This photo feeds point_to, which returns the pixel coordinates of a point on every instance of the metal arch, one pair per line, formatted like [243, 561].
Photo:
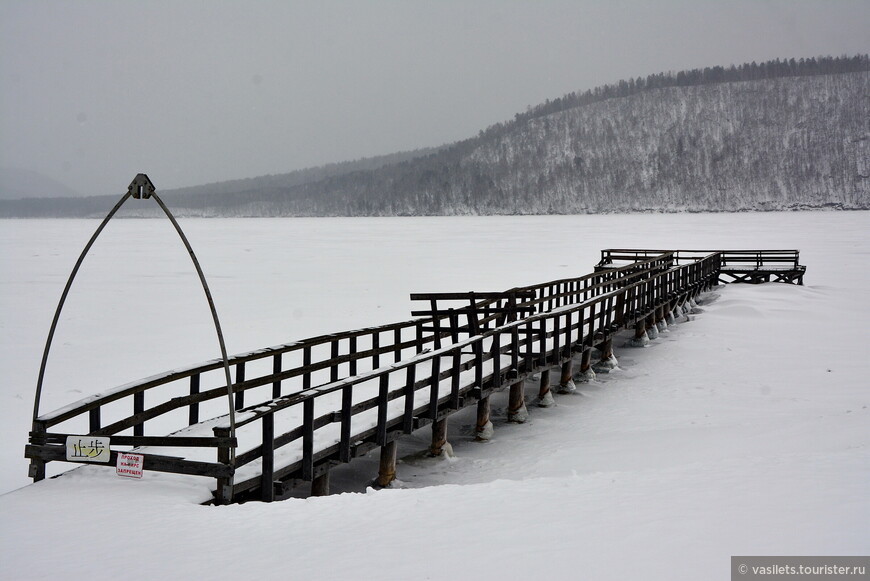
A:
[214, 315]
[133, 191]
[63, 296]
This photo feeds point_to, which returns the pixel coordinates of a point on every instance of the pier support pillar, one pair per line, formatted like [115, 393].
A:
[320, 485]
[652, 331]
[545, 396]
[608, 360]
[661, 322]
[517, 412]
[483, 430]
[566, 383]
[586, 374]
[439, 437]
[640, 337]
[387, 465]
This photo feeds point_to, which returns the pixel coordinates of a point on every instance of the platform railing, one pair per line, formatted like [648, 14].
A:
[570, 315]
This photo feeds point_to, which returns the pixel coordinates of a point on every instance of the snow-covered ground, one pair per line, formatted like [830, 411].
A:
[742, 431]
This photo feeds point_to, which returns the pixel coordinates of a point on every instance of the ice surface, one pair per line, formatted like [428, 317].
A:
[743, 431]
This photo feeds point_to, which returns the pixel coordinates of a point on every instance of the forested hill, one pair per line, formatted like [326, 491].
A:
[775, 136]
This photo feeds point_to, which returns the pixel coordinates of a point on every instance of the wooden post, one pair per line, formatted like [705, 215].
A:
[224, 492]
[620, 310]
[333, 355]
[408, 421]
[566, 384]
[320, 484]
[352, 364]
[397, 340]
[566, 372]
[586, 374]
[387, 466]
[607, 361]
[376, 347]
[193, 414]
[640, 337]
[483, 429]
[36, 470]
[138, 408]
[661, 323]
[684, 305]
[240, 393]
[650, 324]
[267, 488]
[344, 452]
[308, 439]
[606, 350]
[585, 361]
[545, 396]
[517, 412]
[670, 319]
[383, 392]
[639, 329]
[439, 436]
[276, 369]
[94, 419]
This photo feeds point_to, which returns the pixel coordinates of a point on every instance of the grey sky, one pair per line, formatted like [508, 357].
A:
[92, 92]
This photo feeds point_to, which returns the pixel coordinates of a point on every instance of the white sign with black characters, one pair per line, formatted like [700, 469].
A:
[88, 449]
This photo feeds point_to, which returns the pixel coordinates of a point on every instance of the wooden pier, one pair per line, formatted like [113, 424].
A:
[302, 408]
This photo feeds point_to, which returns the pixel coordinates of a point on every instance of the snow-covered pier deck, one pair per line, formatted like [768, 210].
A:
[302, 408]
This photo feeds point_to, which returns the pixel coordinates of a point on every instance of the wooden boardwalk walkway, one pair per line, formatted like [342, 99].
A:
[301, 408]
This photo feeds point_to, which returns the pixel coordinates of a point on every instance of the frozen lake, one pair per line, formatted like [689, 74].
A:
[136, 309]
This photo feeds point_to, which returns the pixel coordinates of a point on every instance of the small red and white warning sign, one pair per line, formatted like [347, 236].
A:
[130, 465]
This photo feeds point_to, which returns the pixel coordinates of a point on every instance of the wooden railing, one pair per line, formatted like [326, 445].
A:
[755, 258]
[437, 383]
[327, 399]
[752, 266]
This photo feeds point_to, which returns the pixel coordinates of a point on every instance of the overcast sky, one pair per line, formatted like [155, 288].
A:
[192, 92]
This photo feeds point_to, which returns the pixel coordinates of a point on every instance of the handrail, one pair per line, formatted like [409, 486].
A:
[126, 390]
[333, 387]
[760, 257]
[688, 276]
[605, 301]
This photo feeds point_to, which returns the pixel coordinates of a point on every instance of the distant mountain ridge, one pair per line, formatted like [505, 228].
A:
[17, 183]
[298, 177]
[781, 135]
